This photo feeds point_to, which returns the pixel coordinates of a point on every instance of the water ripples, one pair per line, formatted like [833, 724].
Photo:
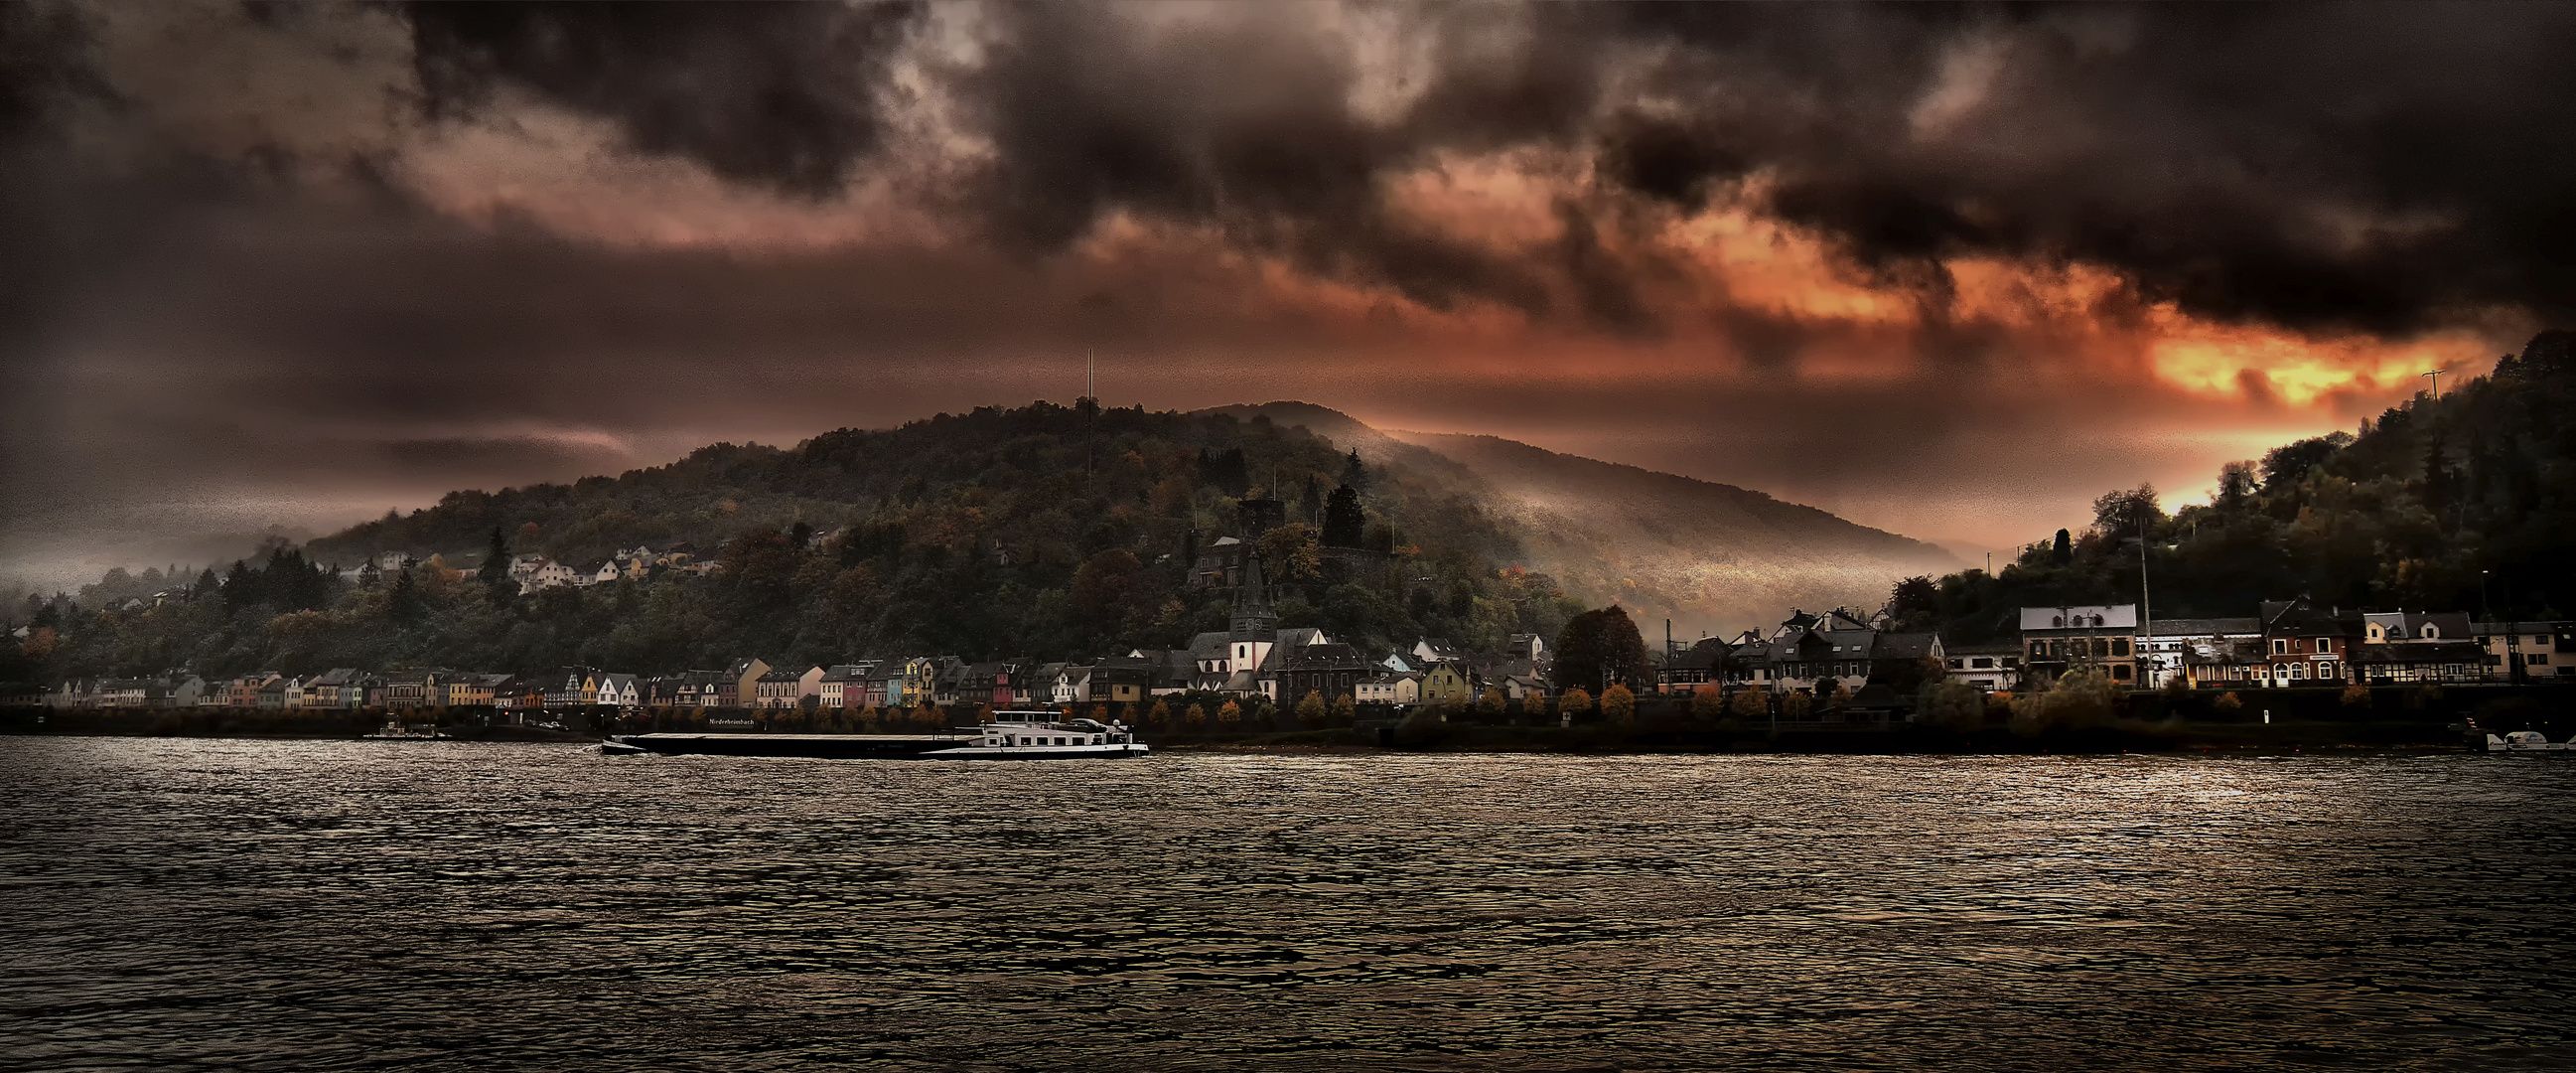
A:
[342, 905]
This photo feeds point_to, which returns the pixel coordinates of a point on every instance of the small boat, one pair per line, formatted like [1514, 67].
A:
[614, 747]
[1010, 736]
[2526, 741]
[397, 730]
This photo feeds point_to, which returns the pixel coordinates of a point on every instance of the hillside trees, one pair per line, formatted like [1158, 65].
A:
[2465, 502]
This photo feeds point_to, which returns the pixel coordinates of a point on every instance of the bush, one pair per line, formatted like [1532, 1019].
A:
[2080, 700]
[1750, 704]
[2356, 696]
[1575, 703]
[1953, 705]
[1311, 709]
[2228, 704]
[1706, 705]
[1618, 706]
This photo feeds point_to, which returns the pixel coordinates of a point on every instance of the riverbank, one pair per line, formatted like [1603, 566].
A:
[2123, 736]
[1645, 738]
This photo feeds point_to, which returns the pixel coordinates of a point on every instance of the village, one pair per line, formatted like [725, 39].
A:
[1813, 665]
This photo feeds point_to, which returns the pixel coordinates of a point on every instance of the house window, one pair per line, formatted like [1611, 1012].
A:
[2280, 646]
[2325, 644]
[2119, 646]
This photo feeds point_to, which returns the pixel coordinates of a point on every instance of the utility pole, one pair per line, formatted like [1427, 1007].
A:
[2437, 381]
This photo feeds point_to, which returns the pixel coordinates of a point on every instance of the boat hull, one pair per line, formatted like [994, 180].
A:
[869, 747]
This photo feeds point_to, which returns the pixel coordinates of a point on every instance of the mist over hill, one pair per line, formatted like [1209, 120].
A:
[1706, 555]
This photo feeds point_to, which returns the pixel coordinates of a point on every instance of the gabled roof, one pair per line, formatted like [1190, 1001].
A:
[1906, 645]
[2203, 627]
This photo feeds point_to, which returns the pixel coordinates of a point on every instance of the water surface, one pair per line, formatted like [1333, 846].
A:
[186, 905]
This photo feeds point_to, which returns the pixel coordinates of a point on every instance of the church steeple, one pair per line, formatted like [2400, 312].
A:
[1253, 619]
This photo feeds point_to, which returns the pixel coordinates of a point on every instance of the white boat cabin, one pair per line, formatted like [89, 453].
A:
[1051, 730]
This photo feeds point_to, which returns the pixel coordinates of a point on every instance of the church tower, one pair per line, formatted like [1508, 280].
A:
[1255, 627]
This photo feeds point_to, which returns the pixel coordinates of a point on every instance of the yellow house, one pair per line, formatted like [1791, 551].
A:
[1445, 680]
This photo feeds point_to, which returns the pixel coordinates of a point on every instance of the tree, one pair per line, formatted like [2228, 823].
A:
[1914, 605]
[1354, 475]
[1195, 717]
[1619, 706]
[1160, 715]
[405, 604]
[1229, 714]
[1599, 648]
[2228, 704]
[1289, 555]
[2081, 699]
[1574, 703]
[1345, 523]
[1750, 704]
[1796, 705]
[1492, 704]
[496, 563]
[1105, 586]
[2129, 513]
[1344, 711]
[2063, 551]
[2235, 485]
[1706, 705]
[1953, 705]
[1311, 709]
[2356, 696]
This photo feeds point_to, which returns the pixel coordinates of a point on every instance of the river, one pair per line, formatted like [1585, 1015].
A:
[304, 905]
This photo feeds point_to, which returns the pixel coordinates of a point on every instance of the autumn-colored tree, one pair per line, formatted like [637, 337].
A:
[1749, 704]
[2356, 696]
[1840, 695]
[1796, 705]
[1100, 713]
[1492, 704]
[1289, 554]
[1195, 717]
[2228, 704]
[1310, 709]
[1705, 703]
[1618, 706]
[1160, 715]
[1229, 714]
[1575, 703]
[1345, 712]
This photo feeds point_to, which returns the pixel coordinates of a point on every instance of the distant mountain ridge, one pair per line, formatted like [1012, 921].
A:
[1703, 553]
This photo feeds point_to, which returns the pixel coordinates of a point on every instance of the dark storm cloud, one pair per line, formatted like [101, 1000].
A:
[2378, 168]
[2372, 168]
[784, 95]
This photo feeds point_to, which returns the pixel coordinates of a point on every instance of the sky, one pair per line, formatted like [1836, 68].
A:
[1947, 270]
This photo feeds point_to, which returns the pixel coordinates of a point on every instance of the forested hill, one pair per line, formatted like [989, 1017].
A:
[2462, 503]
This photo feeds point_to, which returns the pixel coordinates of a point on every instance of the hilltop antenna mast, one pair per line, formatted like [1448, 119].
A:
[1090, 406]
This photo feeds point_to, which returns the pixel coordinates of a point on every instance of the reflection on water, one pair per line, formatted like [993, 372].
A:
[336, 905]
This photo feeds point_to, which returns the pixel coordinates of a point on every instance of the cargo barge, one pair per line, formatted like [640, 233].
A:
[1010, 736]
